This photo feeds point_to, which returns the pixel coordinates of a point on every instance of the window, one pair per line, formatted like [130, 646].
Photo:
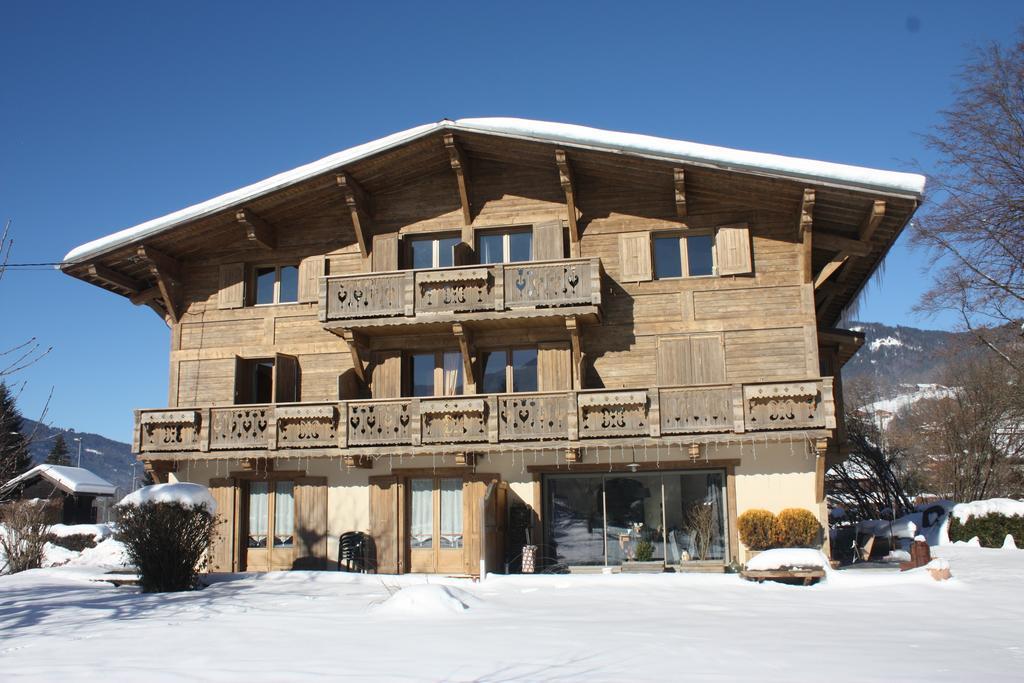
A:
[509, 370]
[267, 380]
[262, 381]
[435, 373]
[505, 246]
[684, 256]
[275, 285]
[432, 252]
[271, 501]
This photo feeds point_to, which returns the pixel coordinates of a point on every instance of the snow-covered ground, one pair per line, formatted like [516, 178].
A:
[866, 625]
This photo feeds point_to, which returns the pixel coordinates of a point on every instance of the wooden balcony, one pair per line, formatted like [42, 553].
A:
[485, 422]
[533, 289]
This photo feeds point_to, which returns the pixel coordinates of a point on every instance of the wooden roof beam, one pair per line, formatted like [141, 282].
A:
[872, 221]
[359, 206]
[569, 188]
[256, 229]
[457, 159]
[830, 268]
[806, 220]
[113, 277]
[830, 242]
[167, 273]
[679, 178]
[145, 296]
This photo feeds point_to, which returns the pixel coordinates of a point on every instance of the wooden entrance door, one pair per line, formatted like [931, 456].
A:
[436, 525]
[269, 538]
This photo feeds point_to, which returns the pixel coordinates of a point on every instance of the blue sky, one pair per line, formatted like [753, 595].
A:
[114, 113]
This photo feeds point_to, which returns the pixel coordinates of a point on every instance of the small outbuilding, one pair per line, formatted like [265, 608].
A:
[71, 491]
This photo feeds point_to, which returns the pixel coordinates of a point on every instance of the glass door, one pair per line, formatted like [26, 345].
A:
[436, 534]
[270, 533]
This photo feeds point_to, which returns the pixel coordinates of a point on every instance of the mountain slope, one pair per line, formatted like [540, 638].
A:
[895, 356]
[110, 459]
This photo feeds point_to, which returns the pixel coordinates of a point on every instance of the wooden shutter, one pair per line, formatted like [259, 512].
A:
[386, 523]
[554, 366]
[385, 252]
[635, 257]
[310, 523]
[311, 269]
[547, 241]
[386, 377]
[674, 361]
[222, 548]
[286, 378]
[708, 359]
[232, 286]
[732, 247]
[243, 381]
[474, 486]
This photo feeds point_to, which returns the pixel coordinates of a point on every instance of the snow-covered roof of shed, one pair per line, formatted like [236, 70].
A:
[71, 479]
[541, 131]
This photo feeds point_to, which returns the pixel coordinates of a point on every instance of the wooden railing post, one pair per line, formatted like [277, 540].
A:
[573, 417]
[738, 420]
[595, 281]
[828, 401]
[415, 422]
[137, 435]
[492, 419]
[499, 287]
[271, 428]
[204, 430]
[654, 411]
[409, 291]
[342, 430]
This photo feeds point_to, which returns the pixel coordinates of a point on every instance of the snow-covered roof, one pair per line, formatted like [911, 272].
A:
[71, 479]
[542, 131]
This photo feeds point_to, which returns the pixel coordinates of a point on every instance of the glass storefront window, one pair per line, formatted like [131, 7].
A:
[610, 519]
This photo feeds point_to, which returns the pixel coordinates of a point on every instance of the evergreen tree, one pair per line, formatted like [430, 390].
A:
[14, 456]
[59, 453]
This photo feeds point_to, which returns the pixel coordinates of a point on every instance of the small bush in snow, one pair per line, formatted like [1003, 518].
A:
[756, 529]
[796, 528]
[76, 542]
[991, 529]
[166, 542]
[23, 536]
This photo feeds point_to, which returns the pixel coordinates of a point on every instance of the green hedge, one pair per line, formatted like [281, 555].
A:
[990, 529]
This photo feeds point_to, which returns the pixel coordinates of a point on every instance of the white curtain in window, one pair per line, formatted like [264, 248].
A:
[451, 513]
[422, 531]
[452, 373]
[259, 508]
[284, 513]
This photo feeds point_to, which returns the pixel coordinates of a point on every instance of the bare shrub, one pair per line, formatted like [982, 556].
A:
[167, 543]
[702, 521]
[23, 535]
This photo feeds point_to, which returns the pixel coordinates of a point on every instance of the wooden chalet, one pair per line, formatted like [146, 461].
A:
[482, 334]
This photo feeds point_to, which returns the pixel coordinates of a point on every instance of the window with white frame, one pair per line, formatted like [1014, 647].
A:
[435, 251]
[504, 246]
[509, 370]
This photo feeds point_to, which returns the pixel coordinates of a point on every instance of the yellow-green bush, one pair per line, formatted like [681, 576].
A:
[756, 529]
[796, 528]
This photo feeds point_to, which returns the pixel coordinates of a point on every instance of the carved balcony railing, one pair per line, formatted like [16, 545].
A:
[420, 295]
[383, 425]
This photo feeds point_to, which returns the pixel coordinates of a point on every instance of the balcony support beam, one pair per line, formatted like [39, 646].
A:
[257, 230]
[805, 221]
[466, 348]
[359, 207]
[565, 177]
[355, 344]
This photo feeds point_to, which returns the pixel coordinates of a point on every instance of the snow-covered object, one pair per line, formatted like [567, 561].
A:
[71, 479]
[897, 556]
[902, 527]
[938, 563]
[427, 600]
[980, 508]
[920, 539]
[184, 493]
[544, 131]
[788, 558]
[106, 553]
[1008, 543]
[97, 531]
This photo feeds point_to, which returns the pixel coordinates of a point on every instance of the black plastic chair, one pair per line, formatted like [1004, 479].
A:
[352, 551]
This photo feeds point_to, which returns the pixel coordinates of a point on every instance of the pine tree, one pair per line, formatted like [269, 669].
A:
[59, 453]
[14, 455]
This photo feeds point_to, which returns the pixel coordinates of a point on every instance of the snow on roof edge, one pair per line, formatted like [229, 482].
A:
[67, 476]
[635, 143]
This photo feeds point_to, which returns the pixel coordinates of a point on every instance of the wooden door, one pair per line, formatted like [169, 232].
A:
[437, 526]
[270, 534]
[222, 548]
[386, 525]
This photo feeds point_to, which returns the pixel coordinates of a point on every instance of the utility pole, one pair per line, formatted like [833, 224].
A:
[79, 440]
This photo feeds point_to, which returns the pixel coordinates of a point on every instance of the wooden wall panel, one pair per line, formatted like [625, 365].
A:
[206, 382]
[763, 355]
[753, 303]
[223, 333]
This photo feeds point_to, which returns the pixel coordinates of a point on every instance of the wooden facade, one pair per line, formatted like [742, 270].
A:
[664, 304]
